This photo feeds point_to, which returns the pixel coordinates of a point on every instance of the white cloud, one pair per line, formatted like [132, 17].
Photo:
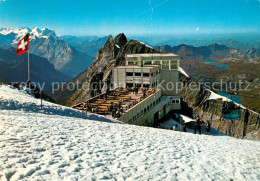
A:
[197, 29]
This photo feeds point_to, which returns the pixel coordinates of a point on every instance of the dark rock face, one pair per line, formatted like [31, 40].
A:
[215, 51]
[99, 73]
[120, 39]
[247, 126]
[65, 58]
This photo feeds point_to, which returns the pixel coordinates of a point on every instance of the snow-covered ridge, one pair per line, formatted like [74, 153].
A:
[214, 96]
[13, 99]
[146, 44]
[21, 32]
[183, 72]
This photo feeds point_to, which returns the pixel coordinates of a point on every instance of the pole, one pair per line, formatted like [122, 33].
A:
[41, 100]
[28, 66]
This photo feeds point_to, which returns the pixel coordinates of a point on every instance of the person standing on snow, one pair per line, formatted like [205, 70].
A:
[208, 127]
[198, 126]
[184, 128]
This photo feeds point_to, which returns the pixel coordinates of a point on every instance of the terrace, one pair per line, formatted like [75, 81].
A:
[116, 102]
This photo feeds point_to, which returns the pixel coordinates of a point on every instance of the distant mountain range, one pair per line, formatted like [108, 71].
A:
[86, 44]
[13, 68]
[45, 43]
[237, 41]
[78, 40]
[198, 42]
[214, 51]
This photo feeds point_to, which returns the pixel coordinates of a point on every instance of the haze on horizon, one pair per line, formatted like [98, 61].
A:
[136, 17]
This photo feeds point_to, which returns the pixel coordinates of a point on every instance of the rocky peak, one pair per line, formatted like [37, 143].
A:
[120, 39]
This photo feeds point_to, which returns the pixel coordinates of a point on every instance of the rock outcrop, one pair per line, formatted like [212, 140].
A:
[247, 126]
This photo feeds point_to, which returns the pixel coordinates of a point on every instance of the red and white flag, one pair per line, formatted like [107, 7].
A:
[23, 45]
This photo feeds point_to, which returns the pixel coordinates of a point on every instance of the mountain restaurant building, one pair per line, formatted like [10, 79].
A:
[145, 90]
[152, 71]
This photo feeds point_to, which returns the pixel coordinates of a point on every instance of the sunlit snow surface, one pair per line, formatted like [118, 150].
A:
[61, 143]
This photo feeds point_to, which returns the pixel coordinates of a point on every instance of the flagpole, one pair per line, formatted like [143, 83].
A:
[28, 66]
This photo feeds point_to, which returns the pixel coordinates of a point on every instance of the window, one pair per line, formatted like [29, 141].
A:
[165, 67]
[175, 101]
[174, 66]
[153, 103]
[146, 74]
[147, 62]
[131, 63]
[129, 85]
[129, 74]
[138, 74]
[156, 62]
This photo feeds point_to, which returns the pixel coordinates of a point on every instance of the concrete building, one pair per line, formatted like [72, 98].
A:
[150, 70]
[155, 75]
[158, 71]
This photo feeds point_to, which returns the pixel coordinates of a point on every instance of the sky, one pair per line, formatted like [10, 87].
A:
[133, 17]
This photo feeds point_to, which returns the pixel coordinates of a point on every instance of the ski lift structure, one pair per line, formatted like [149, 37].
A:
[230, 110]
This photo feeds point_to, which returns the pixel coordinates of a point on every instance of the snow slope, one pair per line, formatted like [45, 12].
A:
[61, 143]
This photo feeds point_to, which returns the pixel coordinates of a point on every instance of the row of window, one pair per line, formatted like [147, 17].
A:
[139, 74]
[145, 110]
[175, 101]
[154, 85]
[165, 64]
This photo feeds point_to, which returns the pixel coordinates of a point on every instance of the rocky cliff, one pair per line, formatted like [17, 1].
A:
[99, 73]
[247, 126]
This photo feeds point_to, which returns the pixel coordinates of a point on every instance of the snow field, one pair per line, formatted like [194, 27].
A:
[52, 145]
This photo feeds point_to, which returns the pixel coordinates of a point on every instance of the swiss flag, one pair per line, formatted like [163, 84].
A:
[23, 45]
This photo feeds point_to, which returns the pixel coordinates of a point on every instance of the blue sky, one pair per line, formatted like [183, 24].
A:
[133, 17]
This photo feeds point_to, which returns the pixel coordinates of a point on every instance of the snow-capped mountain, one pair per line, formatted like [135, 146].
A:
[45, 43]
[14, 35]
[59, 143]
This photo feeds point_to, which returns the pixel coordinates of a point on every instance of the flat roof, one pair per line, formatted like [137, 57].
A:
[137, 67]
[153, 55]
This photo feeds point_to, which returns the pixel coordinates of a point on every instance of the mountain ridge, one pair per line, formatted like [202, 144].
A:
[45, 43]
[14, 69]
[214, 51]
